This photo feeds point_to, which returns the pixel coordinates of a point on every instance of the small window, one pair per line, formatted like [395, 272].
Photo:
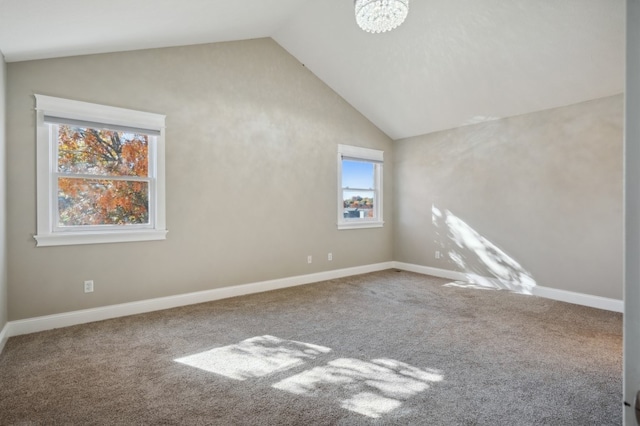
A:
[100, 173]
[360, 187]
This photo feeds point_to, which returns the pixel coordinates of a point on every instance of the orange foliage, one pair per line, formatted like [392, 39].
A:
[102, 153]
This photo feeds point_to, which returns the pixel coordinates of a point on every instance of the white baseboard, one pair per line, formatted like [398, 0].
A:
[33, 325]
[4, 336]
[428, 270]
[48, 322]
[598, 302]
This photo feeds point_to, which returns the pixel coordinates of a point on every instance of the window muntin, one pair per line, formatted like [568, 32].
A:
[100, 173]
[360, 187]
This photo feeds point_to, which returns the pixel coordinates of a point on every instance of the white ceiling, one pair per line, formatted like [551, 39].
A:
[453, 62]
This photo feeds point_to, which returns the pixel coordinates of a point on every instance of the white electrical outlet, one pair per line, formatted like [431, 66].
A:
[330, 257]
[437, 254]
[88, 286]
[309, 259]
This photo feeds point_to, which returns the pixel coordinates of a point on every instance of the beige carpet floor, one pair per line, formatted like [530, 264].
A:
[387, 348]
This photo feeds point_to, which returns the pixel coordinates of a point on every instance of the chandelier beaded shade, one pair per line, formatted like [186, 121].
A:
[378, 16]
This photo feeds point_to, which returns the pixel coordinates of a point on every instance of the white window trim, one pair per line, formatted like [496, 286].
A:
[47, 235]
[365, 154]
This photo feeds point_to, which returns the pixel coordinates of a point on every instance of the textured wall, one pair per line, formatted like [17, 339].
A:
[4, 304]
[537, 195]
[251, 175]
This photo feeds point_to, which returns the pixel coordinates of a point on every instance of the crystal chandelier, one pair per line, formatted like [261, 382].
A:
[378, 16]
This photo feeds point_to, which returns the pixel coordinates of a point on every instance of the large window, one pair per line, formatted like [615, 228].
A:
[100, 173]
[359, 187]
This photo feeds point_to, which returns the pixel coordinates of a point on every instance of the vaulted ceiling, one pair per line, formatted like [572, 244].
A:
[452, 63]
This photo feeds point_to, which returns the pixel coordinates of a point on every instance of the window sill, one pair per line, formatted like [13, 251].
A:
[78, 238]
[360, 225]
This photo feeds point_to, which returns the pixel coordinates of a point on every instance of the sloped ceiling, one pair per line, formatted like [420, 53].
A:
[452, 63]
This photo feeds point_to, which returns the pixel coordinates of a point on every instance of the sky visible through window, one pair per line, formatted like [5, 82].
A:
[357, 174]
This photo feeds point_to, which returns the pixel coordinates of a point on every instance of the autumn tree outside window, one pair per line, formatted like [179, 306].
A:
[100, 173]
[359, 187]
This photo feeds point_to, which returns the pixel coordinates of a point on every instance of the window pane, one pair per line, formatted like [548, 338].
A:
[102, 152]
[358, 204]
[358, 174]
[102, 202]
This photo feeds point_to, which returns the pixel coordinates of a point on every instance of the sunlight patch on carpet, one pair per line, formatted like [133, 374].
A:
[370, 404]
[354, 382]
[254, 357]
[370, 388]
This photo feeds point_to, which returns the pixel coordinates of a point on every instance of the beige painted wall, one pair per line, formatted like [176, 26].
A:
[251, 175]
[545, 189]
[4, 303]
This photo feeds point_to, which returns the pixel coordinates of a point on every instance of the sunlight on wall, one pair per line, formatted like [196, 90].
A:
[480, 119]
[485, 265]
[255, 357]
[370, 388]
